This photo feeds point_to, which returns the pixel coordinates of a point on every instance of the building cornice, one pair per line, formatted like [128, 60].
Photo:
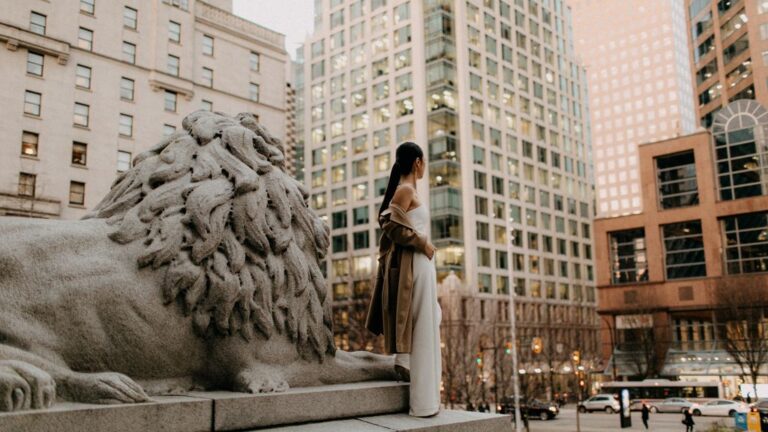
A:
[16, 37]
[239, 27]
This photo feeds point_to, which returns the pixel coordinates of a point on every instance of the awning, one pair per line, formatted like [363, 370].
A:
[714, 363]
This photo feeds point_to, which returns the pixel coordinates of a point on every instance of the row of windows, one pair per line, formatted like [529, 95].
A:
[27, 188]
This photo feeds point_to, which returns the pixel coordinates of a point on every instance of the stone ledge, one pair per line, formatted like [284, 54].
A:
[218, 411]
[446, 421]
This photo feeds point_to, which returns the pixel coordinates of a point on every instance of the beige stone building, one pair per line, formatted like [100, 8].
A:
[88, 84]
[670, 278]
[491, 92]
[638, 69]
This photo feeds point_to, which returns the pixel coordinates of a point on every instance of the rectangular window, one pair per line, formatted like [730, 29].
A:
[207, 105]
[676, 177]
[254, 92]
[85, 39]
[130, 17]
[172, 65]
[27, 184]
[81, 115]
[360, 215]
[170, 101]
[746, 240]
[32, 103]
[174, 31]
[29, 143]
[684, 250]
[168, 129]
[123, 161]
[208, 45]
[255, 61]
[37, 23]
[126, 125]
[129, 52]
[361, 240]
[628, 259]
[83, 76]
[738, 164]
[35, 63]
[79, 151]
[126, 88]
[76, 193]
[207, 77]
[88, 6]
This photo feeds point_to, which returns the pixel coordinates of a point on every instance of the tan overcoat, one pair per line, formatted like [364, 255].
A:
[390, 309]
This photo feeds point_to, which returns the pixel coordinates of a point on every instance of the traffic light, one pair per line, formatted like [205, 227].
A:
[576, 357]
[536, 345]
[508, 348]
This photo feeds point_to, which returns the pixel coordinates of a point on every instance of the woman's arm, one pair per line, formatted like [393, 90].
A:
[405, 236]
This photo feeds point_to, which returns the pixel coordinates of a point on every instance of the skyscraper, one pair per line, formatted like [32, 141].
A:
[89, 84]
[638, 68]
[492, 93]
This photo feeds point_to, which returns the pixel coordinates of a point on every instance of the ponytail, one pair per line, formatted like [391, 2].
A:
[394, 179]
[405, 155]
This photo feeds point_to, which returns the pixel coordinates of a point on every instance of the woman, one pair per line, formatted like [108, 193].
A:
[646, 413]
[404, 304]
[688, 420]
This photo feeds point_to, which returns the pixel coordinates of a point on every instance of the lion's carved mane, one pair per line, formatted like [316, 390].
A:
[232, 230]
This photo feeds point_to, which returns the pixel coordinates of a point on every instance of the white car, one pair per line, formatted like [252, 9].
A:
[672, 405]
[720, 407]
[601, 402]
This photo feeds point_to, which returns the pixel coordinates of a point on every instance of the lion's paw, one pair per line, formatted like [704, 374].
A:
[261, 380]
[108, 388]
[23, 386]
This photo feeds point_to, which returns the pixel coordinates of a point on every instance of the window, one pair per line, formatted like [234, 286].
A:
[126, 125]
[746, 239]
[79, 151]
[88, 6]
[172, 65]
[738, 162]
[174, 31]
[208, 45]
[361, 240]
[83, 76]
[628, 260]
[676, 176]
[32, 103]
[207, 77]
[126, 88]
[255, 61]
[81, 114]
[129, 52]
[123, 161]
[254, 92]
[35, 63]
[360, 215]
[76, 193]
[207, 105]
[130, 17]
[29, 142]
[684, 250]
[27, 184]
[85, 39]
[37, 23]
[170, 101]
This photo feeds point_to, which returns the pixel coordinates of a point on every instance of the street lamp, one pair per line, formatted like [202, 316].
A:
[513, 325]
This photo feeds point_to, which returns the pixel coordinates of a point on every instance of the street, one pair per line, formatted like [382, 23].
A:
[601, 422]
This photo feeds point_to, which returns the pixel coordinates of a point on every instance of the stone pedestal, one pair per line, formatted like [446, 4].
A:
[366, 406]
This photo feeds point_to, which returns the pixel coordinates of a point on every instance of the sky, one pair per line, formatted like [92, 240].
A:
[293, 18]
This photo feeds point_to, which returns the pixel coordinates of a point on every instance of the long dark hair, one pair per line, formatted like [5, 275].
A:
[405, 155]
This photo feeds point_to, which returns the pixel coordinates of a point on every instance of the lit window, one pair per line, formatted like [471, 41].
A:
[170, 101]
[208, 45]
[126, 125]
[130, 17]
[32, 101]
[76, 193]
[126, 88]
[123, 161]
[27, 184]
[85, 39]
[628, 259]
[81, 114]
[88, 6]
[35, 63]
[29, 142]
[79, 151]
[174, 31]
[37, 23]
[129, 52]
[172, 66]
[83, 76]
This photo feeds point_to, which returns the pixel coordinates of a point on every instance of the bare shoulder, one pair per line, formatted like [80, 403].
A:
[403, 196]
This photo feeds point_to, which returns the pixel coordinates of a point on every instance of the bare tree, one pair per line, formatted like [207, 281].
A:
[743, 322]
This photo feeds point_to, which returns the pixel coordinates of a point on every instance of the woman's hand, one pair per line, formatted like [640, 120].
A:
[430, 252]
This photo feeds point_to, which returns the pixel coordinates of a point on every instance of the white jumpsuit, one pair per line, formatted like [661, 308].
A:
[424, 360]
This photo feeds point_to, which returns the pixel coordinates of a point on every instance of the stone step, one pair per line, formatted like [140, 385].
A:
[218, 411]
[446, 421]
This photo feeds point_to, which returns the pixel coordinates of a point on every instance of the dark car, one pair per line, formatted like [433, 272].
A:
[530, 408]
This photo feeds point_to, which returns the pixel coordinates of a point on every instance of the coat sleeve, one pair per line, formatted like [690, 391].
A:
[405, 236]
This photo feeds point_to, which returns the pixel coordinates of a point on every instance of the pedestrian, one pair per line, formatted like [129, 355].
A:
[645, 414]
[749, 398]
[688, 420]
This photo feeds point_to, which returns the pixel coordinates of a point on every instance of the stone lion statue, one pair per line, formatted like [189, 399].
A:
[199, 269]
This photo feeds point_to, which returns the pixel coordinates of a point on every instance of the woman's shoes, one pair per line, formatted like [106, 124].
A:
[402, 373]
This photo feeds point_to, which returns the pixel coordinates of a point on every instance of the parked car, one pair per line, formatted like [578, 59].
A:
[532, 407]
[720, 407]
[760, 406]
[601, 402]
[671, 405]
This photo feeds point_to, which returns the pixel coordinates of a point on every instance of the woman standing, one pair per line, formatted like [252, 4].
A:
[646, 413]
[688, 420]
[404, 304]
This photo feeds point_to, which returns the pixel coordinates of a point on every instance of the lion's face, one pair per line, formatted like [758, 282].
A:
[231, 229]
